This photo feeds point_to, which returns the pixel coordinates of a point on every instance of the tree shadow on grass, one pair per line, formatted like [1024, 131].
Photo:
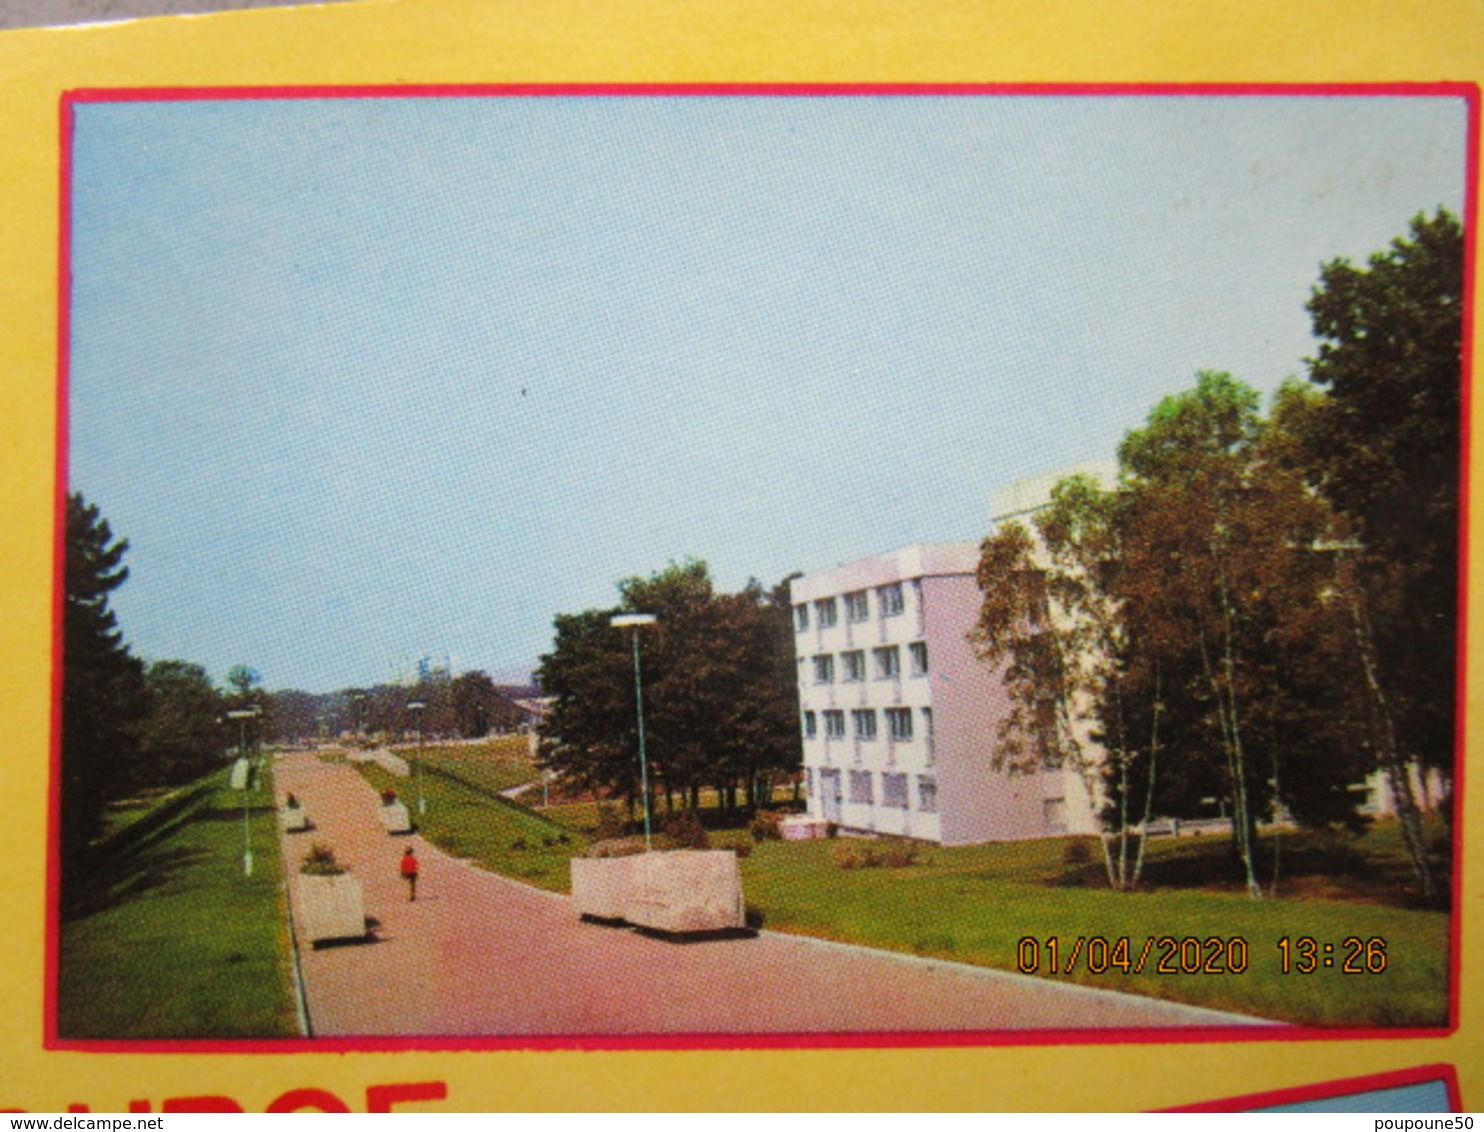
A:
[123, 881]
[1312, 865]
[139, 858]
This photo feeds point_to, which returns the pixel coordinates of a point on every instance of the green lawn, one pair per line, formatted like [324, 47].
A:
[496, 834]
[493, 764]
[170, 940]
[974, 904]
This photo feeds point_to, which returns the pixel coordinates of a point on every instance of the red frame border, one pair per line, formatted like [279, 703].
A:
[1445, 1074]
[1468, 92]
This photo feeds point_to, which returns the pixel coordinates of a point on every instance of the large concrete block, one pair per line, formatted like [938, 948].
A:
[331, 908]
[687, 890]
[295, 819]
[801, 827]
[601, 885]
[392, 764]
[395, 818]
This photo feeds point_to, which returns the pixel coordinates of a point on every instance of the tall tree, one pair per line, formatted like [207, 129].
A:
[246, 693]
[717, 709]
[1385, 449]
[1198, 533]
[103, 682]
[1052, 620]
[478, 707]
[1171, 638]
[182, 736]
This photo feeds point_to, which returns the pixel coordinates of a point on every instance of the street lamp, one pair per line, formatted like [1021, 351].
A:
[637, 621]
[358, 698]
[242, 715]
[419, 706]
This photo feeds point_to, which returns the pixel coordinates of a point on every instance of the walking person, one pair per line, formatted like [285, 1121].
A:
[409, 872]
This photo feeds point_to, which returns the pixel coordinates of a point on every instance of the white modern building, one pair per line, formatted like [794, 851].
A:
[900, 719]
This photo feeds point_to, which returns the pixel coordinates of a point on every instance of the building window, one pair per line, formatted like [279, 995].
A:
[894, 791]
[927, 734]
[824, 670]
[890, 599]
[888, 662]
[811, 725]
[834, 725]
[899, 723]
[918, 652]
[801, 617]
[927, 794]
[857, 606]
[825, 612]
[860, 788]
[864, 721]
[855, 666]
[809, 782]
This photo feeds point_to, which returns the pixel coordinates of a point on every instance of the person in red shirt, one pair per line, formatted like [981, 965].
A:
[409, 872]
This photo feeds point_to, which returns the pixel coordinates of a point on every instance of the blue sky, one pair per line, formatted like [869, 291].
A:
[370, 378]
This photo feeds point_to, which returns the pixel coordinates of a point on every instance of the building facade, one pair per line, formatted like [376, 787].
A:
[900, 719]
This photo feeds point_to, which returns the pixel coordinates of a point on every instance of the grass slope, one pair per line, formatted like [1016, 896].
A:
[168, 939]
[479, 825]
[494, 764]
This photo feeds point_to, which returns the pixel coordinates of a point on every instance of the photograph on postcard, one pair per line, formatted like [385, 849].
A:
[762, 565]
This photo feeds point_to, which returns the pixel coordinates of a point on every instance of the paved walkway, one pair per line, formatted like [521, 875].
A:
[479, 954]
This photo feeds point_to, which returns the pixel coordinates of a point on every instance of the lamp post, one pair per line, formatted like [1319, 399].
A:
[635, 622]
[419, 706]
[242, 715]
[357, 699]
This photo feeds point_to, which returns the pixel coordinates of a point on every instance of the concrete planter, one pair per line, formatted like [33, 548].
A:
[687, 890]
[295, 819]
[392, 764]
[801, 828]
[600, 886]
[395, 818]
[331, 908]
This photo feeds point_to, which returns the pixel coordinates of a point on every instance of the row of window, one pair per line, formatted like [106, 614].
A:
[863, 723]
[895, 794]
[887, 660]
[857, 607]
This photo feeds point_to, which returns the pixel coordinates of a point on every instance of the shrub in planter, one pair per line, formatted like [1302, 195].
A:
[294, 818]
[388, 797]
[331, 902]
[320, 862]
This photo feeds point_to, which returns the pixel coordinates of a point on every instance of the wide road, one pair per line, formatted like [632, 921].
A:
[478, 954]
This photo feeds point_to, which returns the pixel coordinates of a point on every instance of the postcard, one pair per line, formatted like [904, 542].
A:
[574, 562]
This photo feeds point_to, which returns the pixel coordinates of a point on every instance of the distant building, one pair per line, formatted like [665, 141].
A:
[900, 720]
